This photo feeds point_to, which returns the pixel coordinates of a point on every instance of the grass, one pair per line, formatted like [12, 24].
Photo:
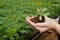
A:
[12, 17]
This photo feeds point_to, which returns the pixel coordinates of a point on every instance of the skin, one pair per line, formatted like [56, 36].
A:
[42, 27]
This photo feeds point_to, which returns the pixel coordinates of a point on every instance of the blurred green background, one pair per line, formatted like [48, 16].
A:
[13, 13]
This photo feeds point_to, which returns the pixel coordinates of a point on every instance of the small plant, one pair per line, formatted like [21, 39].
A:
[43, 11]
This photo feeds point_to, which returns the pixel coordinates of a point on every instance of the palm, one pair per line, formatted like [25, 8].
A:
[41, 29]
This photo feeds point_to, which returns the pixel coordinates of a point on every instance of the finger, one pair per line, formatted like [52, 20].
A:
[41, 24]
[31, 23]
[32, 17]
[28, 17]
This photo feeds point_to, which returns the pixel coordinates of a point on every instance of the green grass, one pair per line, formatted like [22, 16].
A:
[12, 17]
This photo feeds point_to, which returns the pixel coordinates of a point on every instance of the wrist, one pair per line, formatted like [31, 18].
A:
[56, 26]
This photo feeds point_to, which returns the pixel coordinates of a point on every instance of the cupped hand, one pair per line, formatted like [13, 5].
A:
[48, 24]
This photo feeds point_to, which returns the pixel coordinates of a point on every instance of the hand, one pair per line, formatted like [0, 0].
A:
[48, 24]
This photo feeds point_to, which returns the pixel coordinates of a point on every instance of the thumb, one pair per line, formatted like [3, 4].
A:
[47, 18]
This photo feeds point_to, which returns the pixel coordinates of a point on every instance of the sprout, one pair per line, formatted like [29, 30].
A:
[43, 11]
[40, 18]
